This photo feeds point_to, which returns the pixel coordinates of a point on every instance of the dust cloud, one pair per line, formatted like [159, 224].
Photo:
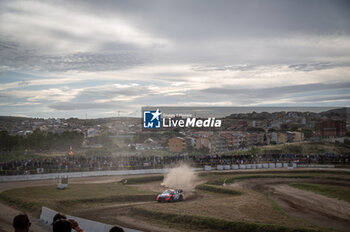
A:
[182, 177]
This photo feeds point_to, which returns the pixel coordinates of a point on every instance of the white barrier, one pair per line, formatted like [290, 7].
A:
[249, 166]
[85, 174]
[235, 166]
[207, 168]
[219, 167]
[272, 165]
[242, 166]
[265, 165]
[316, 166]
[227, 167]
[253, 166]
[259, 166]
[87, 225]
[278, 165]
[285, 165]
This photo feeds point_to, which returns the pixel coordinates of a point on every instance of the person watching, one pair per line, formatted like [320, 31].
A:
[21, 223]
[62, 225]
[58, 216]
[116, 229]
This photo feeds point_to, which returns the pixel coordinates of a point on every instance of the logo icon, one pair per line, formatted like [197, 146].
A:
[151, 119]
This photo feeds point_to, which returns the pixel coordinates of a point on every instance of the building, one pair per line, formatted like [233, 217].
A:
[282, 138]
[202, 142]
[218, 144]
[330, 128]
[177, 144]
[295, 136]
[238, 139]
[274, 137]
[229, 139]
[215, 144]
[298, 136]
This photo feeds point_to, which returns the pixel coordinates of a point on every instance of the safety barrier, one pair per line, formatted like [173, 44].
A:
[278, 165]
[47, 215]
[272, 165]
[86, 174]
[316, 166]
[156, 171]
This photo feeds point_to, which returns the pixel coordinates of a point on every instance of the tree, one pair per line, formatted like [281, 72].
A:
[307, 133]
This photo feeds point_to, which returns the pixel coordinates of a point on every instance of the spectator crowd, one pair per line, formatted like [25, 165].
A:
[102, 163]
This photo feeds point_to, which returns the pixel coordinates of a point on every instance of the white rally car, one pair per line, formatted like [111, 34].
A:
[171, 195]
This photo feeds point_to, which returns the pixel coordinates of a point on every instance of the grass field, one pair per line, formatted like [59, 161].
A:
[229, 178]
[33, 198]
[215, 189]
[338, 192]
[207, 223]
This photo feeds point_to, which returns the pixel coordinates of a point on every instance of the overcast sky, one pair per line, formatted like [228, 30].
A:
[72, 58]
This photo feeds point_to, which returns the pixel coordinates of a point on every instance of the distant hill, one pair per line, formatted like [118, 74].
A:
[340, 112]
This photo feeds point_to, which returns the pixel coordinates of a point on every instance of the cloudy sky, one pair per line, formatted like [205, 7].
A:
[72, 58]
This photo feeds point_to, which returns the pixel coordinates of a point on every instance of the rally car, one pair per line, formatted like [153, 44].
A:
[171, 195]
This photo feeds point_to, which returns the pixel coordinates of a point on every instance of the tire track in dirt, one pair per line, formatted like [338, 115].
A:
[305, 205]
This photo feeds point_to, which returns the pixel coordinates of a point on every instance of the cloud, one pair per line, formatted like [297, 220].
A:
[277, 91]
[90, 56]
[57, 27]
[81, 106]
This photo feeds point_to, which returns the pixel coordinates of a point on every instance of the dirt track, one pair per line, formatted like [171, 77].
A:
[317, 209]
[303, 206]
[7, 213]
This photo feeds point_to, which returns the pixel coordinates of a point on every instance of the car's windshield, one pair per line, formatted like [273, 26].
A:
[167, 191]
